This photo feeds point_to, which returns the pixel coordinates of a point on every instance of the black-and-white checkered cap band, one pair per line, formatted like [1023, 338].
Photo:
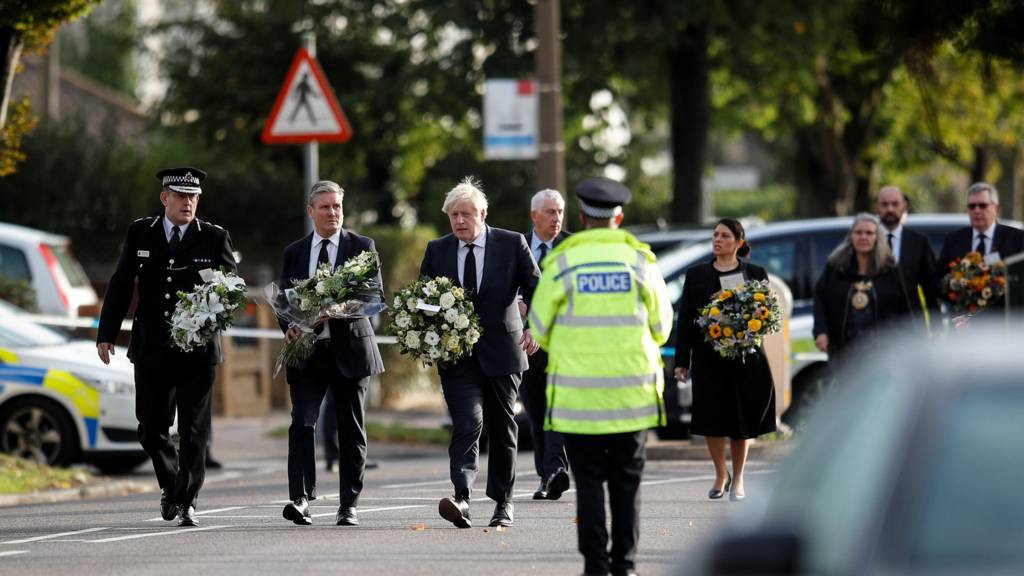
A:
[186, 184]
[596, 212]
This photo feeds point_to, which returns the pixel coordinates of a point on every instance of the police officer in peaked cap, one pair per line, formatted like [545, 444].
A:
[165, 253]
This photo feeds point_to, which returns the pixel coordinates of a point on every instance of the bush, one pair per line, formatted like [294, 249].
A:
[401, 251]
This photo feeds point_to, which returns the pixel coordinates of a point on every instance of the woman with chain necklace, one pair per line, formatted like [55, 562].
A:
[859, 293]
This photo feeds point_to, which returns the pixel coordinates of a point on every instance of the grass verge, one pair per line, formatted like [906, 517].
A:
[18, 476]
[379, 432]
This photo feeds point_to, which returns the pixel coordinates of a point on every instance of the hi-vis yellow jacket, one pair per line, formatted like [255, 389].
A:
[601, 311]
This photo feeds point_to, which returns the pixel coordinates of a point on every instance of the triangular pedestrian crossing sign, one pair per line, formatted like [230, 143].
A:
[306, 109]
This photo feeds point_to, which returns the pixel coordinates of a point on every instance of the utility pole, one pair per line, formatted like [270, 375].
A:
[311, 149]
[551, 152]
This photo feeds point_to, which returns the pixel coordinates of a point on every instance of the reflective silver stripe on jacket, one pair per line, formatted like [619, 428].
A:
[600, 321]
[626, 414]
[602, 381]
[537, 324]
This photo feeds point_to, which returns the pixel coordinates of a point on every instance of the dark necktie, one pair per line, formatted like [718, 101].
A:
[891, 236]
[543, 251]
[980, 248]
[323, 258]
[469, 271]
[172, 244]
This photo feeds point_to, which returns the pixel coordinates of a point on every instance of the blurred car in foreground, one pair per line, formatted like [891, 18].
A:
[45, 262]
[60, 405]
[912, 466]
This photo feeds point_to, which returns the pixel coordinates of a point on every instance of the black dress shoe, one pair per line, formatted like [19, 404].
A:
[502, 515]
[212, 463]
[716, 494]
[168, 509]
[186, 517]
[347, 516]
[542, 491]
[557, 484]
[456, 511]
[298, 512]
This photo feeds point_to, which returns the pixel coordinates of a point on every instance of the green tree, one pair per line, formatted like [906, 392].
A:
[102, 45]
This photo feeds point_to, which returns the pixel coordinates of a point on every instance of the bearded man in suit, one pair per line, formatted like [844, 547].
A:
[494, 266]
[911, 249]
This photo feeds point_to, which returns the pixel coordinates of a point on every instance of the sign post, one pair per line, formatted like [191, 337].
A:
[306, 112]
[510, 120]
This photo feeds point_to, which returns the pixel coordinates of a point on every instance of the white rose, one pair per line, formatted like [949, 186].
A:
[447, 300]
[412, 339]
[451, 314]
[462, 322]
[431, 338]
[986, 293]
[433, 353]
[411, 304]
[472, 336]
[398, 301]
[403, 320]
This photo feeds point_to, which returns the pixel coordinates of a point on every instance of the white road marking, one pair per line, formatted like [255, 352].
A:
[47, 537]
[204, 512]
[318, 498]
[415, 484]
[175, 532]
[13, 552]
[365, 510]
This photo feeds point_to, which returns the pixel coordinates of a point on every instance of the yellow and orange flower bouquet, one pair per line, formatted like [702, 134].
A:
[736, 321]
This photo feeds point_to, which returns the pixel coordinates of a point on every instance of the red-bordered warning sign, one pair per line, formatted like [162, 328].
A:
[306, 109]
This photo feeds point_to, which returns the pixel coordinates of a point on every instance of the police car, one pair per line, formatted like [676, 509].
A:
[60, 405]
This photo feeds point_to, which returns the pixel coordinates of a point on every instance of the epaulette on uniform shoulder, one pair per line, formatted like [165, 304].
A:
[145, 219]
[211, 224]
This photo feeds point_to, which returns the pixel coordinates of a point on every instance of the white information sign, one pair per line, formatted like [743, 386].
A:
[510, 119]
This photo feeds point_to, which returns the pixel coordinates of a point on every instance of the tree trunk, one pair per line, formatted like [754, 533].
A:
[691, 116]
[11, 43]
[981, 163]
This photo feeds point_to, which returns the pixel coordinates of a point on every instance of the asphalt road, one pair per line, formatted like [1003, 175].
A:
[242, 531]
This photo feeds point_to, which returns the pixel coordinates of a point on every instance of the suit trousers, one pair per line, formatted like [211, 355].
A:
[476, 400]
[617, 459]
[318, 374]
[159, 389]
[548, 447]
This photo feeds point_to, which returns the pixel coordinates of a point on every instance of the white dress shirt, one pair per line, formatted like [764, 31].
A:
[332, 255]
[989, 234]
[481, 246]
[897, 240]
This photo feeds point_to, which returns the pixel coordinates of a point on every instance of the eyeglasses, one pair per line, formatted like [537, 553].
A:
[978, 206]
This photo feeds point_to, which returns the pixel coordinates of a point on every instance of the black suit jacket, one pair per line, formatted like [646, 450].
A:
[539, 360]
[353, 342]
[917, 265]
[509, 269]
[146, 256]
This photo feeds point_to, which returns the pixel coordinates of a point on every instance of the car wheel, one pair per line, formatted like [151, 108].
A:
[813, 384]
[38, 429]
[120, 464]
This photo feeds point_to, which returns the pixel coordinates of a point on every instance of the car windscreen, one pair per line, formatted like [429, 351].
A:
[69, 264]
[20, 333]
[963, 511]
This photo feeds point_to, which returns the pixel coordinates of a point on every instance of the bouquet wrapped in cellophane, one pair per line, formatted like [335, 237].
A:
[208, 309]
[349, 291]
[972, 283]
[736, 321]
[434, 321]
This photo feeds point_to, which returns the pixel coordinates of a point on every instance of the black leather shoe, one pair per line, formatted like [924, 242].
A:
[456, 511]
[298, 512]
[186, 516]
[502, 515]
[168, 509]
[212, 463]
[624, 572]
[542, 491]
[716, 494]
[557, 484]
[347, 516]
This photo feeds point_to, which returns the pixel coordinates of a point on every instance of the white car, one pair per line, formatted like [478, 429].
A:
[45, 261]
[59, 404]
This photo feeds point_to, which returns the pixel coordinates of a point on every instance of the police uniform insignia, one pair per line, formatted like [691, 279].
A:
[142, 254]
[604, 282]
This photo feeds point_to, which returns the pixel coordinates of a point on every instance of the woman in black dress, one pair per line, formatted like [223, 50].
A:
[860, 292]
[733, 400]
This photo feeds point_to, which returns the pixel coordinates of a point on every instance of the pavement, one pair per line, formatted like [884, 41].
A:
[238, 441]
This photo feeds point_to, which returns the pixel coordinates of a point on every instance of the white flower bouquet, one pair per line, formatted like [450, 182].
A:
[736, 321]
[209, 308]
[434, 321]
[349, 291]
